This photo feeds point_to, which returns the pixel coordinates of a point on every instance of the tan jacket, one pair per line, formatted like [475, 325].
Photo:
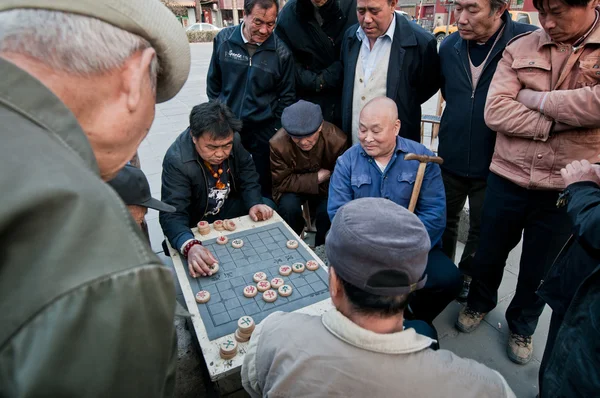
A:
[526, 152]
[294, 170]
[86, 308]
[298, 355]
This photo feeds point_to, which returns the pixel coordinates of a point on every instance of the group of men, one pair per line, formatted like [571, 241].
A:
[327, 120]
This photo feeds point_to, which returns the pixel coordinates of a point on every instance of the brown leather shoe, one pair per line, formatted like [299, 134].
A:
[520, 348]
[468, 319]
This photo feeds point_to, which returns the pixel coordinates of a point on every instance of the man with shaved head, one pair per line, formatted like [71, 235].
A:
[376, 168]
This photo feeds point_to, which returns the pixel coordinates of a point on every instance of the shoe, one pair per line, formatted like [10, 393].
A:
[464, 293]
[520, 348]
[468, 319]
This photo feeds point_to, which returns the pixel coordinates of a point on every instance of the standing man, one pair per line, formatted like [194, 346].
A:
[543, 102]
[87, 308]
[313, 31]
[385, 55]
[252, 71]
[303, 155]
[468, 61]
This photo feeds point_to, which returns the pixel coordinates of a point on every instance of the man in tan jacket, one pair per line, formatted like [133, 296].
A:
[543, 102]
[378, 253]
[86, 308]
[303, 155]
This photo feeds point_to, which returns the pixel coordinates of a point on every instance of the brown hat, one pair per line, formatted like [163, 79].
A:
[379, 247]
[149, 19]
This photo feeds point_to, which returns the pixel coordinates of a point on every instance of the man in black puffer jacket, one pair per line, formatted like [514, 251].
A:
[252, 71]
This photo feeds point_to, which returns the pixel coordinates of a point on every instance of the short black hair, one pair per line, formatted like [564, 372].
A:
[372, 304]
[214, 118]
[264, 4]
[539, 4]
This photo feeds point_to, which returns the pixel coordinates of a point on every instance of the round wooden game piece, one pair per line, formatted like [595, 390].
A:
[285, 290]
[250, 291]
[246, 324]
[202, 297]
[285, 270]
[298, 267]
[204, 231]
[312, 265]
[245, 335]
[237, 243]
[292, 244]
[228, 348]
[214, 268]
[222, 240]
[263, 286]
[218, 225]
[229, 225]
[269, 296]
[276, 283]
[239, 338]
[259, 276]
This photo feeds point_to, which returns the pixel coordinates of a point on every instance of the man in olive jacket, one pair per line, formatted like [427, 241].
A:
[87, 308]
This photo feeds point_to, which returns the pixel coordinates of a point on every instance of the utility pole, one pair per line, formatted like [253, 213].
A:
[450, 6]
[236, 18]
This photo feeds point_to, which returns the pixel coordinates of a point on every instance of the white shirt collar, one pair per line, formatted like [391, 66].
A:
[360, 33]
[244, 37]
[404, 342]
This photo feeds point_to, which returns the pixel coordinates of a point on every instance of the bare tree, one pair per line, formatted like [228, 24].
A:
[175, 7]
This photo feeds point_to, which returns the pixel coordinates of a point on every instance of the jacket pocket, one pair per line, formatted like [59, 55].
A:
[406, 183]
[589, 72]
[361, 186]
[533, 73]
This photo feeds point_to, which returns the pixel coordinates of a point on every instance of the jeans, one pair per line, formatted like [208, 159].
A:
[444, 282]
[290, 210]
[509, 213]
[457, 190]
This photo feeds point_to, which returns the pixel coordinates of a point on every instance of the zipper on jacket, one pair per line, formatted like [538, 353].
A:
[205, 186]
[473, 88]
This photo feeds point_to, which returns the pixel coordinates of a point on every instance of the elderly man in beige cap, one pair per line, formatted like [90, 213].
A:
[87, 308]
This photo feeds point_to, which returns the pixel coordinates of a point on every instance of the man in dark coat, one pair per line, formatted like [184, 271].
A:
[208, 176]
[384, 54]
[313, 30]
[468, 61]
[571, 365]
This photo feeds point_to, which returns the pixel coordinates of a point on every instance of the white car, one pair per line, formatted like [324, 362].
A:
[201, 26]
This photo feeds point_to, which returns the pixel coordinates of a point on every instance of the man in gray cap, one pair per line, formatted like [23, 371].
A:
[132, 186]
[303, 154]
[87, 308]
[378, 252]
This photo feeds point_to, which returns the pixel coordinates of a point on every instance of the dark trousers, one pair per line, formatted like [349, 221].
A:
[444, 282]
[509, 213]
[290, 210]
[255, 138]
[555, 324]
[458, 189]
[235, 207]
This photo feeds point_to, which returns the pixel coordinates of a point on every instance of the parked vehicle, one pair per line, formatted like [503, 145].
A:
[201, 26]
[517, 16]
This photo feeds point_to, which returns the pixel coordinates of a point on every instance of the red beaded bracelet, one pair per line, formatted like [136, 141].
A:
[189, 245]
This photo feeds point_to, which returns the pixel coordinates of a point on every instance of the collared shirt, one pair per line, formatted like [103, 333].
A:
[370, 58]
[356, 175]
[292, 355]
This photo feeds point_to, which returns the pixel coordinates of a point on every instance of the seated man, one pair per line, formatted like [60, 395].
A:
[376, 168]
[132, 186]
[363, 348]
[303, 154]
[208, 175]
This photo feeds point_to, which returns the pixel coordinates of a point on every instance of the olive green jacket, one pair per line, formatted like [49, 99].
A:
[86, 308]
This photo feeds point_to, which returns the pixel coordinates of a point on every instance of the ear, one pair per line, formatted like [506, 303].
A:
[397, 125]
[136, 75]
[335, 286]
[501, 10]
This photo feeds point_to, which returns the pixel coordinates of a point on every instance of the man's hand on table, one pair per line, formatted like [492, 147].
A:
[199, 260]
[260, 213]
[323, 175]
[580, 171]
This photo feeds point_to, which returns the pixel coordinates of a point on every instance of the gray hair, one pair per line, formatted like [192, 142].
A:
[495, 5]
[70, 43]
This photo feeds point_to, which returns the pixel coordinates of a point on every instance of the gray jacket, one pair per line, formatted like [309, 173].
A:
[86, 308]
[298, 355]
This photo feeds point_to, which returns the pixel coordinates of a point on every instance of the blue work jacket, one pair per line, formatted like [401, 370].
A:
[356, 175]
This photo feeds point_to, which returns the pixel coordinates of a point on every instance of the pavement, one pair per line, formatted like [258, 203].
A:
[486, 345]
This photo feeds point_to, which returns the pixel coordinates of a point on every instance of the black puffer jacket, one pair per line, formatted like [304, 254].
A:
[258, 88]
[184, 186]
[316, 51]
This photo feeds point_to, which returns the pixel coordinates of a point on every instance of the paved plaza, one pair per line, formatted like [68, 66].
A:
[487, 344]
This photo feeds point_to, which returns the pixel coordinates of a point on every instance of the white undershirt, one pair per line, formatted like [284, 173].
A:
[381, 165]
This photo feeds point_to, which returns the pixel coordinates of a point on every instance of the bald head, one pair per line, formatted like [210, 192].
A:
[381, 106]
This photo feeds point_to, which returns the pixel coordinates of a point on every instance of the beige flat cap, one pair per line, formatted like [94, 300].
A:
[149, 19]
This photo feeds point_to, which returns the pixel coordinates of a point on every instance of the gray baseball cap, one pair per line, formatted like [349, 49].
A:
[379, 247]
[132, 186]
[149, 19]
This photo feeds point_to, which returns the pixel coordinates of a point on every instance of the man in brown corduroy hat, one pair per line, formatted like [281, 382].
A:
[87, 308]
